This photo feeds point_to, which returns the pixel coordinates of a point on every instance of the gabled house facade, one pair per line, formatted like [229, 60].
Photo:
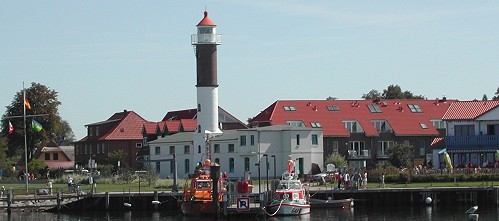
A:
[364, 130]
[472, 134]
[243, 151]
[56, 156]
[122, 131]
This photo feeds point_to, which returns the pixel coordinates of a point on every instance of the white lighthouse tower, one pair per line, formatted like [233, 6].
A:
[205, 45]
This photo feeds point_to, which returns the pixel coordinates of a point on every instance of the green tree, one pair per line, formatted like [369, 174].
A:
[484, 98]
[497, 95]
[117, 155]
[330, 98]
[36, 166]
[372, 95]
[401, 155]
[63, 133]
[336, 159]
[395, 92]
[44, 102]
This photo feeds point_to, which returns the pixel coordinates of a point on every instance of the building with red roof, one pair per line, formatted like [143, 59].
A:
[363, 130]
[122, 131]
[472, 133]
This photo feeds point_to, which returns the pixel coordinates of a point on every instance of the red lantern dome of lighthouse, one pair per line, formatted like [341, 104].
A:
[206, 21]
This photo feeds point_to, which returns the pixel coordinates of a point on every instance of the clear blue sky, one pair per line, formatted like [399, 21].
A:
[106, 56]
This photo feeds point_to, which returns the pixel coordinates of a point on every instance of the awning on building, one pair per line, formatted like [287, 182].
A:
[472, 150]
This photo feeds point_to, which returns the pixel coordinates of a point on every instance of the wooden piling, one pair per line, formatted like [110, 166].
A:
[107, 201]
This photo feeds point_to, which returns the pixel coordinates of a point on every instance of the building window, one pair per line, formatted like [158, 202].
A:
[231, 148]
[144, 141]
[138, 145]
[187, 149]
[186, 166]
[157, 150]
[172, 150]
[217, 161]
[47, 156]
[353, 127]
[231, 165]
[422, 148]
[297, 139]
[199, 148]
[86, 149]
[104, 150]
[315, 141]
[374, 108]
[295, 123]
[335, 146]
[158, 167]
[199, 128]
[242, 140]
[56, 156]
[199, 107]
[415, 108]
[252, 140]
[333, 108]
[246, 164]
[383, 147]
[98, 148]
[216, 148]
[356, 147]
[289, 108]
[381, 125]
[315, 124]
[439, 124]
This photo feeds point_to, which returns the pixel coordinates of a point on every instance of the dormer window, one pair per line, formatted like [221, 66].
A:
[315, 124]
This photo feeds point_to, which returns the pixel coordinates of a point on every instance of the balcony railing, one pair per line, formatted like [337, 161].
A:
[364, 154]
[483, 140]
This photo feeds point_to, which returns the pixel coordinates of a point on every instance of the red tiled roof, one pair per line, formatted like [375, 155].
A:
[172, 126]
[469, 110]
[438, 143]
[188, 125]
[150, 128]
[206, 21]
[396, 112]
[129, 128]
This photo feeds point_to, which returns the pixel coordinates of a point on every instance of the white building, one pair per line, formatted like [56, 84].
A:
[238, 151]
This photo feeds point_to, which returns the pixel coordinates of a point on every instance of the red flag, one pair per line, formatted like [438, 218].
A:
[26, 102]
[11, 128]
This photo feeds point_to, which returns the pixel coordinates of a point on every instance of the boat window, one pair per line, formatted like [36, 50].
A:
[204, 185]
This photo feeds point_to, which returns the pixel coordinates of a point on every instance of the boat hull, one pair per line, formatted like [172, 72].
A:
[288, 209]
[196, 207]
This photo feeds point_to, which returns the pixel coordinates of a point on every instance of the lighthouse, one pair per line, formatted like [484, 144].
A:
[205, 43]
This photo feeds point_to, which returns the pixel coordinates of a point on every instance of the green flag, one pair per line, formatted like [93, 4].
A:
[36, 126]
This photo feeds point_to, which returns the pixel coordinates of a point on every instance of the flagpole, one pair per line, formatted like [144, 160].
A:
[25, 141]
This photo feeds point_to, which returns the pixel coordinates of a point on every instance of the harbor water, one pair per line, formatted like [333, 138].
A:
[437, 213]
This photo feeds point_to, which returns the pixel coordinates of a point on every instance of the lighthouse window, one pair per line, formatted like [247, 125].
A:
[205, 30]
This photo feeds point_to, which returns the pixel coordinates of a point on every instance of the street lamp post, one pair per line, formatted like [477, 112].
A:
[275, 176]
[267, 170]
[259, 183]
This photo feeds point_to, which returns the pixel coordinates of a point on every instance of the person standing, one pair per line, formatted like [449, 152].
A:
[49, 186]
[364, 180]
[70, 184]
[339, 178]
[383, 179]
[346, 179]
